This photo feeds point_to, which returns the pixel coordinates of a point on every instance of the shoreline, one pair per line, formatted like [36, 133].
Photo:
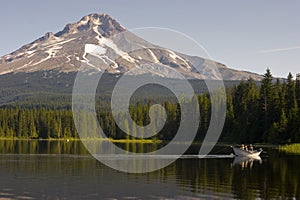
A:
[79, 139]
[139, 141]
[293, 148]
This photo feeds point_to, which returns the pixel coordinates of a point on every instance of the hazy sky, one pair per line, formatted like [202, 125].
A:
[247, 35]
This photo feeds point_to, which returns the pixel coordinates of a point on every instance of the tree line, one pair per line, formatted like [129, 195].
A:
[256, 112]
[266, 113]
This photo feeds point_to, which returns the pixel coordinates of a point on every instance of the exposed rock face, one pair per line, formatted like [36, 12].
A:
[89, 43]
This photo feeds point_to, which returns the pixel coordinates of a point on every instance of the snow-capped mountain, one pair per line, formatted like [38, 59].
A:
[99, 42]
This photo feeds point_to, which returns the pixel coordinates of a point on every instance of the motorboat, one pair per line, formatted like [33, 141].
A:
[244, 152]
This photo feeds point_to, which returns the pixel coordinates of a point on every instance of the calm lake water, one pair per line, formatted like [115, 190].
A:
[61, 170]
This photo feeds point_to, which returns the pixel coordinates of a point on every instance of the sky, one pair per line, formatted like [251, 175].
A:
[244, 35]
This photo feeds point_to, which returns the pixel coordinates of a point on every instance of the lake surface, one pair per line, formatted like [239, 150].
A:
[61, 170]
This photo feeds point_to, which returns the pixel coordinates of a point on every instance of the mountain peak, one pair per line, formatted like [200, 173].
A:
[96, 16]
[105, 24]
[89, 43]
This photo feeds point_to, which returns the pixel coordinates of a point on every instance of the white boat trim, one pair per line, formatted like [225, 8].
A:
[240, 152]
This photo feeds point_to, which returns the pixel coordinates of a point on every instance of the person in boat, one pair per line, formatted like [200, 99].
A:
[251, 147]
[243, 147]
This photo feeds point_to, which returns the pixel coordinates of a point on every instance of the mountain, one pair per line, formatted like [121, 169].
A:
[99, 42]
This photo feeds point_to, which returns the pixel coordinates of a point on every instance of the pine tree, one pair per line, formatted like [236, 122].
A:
[291, 99]
[292, 109]
[297, 89]
[32, 128]
[277, 100]
[297, 137]
[204, 112]
[266, 100]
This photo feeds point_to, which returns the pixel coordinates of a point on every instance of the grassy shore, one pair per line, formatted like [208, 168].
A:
[291, 148]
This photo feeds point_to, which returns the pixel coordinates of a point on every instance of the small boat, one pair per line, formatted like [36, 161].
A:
[246, 153]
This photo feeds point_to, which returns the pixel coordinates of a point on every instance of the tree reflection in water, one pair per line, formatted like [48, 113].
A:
[67, 165]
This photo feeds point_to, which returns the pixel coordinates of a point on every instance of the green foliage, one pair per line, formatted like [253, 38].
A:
[266, 112]
[290, 148]
[36, 123]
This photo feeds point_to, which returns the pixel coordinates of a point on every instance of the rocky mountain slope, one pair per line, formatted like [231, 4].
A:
[99, 42]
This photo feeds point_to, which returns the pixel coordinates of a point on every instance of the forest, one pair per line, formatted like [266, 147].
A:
[265, 112]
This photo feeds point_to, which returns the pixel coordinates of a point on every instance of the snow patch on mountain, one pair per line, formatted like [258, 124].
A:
[175, 57]
[109, 43]
[94, 42]
[99, 52]
[95, 50]
[153, 56]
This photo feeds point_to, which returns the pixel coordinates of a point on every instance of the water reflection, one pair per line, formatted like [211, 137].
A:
[66, 147]
[246, 162]
[41, 147]
[74, 174]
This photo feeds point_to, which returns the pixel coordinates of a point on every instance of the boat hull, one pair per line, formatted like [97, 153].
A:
[240, 152]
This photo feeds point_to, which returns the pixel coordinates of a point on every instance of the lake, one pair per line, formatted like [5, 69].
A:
[65, 170]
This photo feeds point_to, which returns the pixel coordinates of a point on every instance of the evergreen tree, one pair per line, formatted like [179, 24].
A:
[291, 97]
[266, 101]
[265, 113]
[297, 89]
[292, 109]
